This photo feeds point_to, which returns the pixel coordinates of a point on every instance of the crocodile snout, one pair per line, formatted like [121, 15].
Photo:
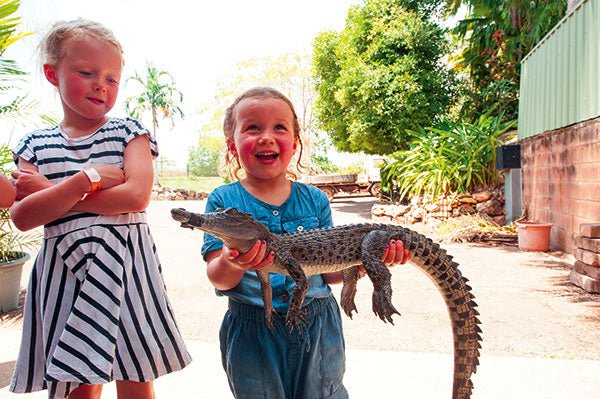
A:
[180, 215]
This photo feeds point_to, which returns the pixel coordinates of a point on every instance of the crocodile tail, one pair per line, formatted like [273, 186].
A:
[444, 272]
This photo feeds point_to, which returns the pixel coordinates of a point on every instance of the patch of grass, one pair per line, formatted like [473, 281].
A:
[199, 184]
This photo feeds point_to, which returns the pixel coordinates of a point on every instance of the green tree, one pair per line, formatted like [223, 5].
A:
[203, 159]
[381, 75]
[157, 94]
[495, 38]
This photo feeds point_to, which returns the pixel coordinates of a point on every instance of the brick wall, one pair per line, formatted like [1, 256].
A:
[561, 180]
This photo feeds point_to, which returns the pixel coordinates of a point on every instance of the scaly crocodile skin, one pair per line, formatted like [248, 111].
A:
[343, 249]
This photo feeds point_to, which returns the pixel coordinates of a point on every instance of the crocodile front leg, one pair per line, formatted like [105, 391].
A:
[349, 279]
[295, 315]
[372, 249]
[267, 295]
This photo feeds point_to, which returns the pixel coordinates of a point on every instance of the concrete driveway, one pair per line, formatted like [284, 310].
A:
[541, 334]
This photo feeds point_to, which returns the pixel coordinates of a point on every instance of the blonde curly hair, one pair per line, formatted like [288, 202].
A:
[52, 48]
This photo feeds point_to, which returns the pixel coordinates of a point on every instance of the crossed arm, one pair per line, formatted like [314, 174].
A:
[124, 190]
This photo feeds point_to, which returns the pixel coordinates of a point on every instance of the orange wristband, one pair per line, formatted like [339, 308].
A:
[94, 178]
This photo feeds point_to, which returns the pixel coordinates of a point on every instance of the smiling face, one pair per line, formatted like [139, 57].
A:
[87, 78]
[264, 139]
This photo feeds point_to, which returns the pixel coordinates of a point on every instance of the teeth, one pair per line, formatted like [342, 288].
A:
[267, 155]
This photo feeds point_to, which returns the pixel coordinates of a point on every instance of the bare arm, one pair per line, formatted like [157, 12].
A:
[134, 194]
[226, 267]
[7, 192]
[53, 201]
[50, 203]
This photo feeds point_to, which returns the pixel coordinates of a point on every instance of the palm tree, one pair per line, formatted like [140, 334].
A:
[19, 107]
[157, 95]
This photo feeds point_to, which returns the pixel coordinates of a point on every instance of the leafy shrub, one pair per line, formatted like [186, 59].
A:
[454, 157]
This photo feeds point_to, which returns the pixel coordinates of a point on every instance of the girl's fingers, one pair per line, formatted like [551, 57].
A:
[406, 256]
[265, 262]
[395, 253]
[255, 257]
[390, 254]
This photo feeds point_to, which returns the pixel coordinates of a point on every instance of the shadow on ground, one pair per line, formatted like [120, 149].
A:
[6, 370]
[349, 205]
[16, 315]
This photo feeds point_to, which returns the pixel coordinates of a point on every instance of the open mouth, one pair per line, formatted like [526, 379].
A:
[267, 156]
[95, 100]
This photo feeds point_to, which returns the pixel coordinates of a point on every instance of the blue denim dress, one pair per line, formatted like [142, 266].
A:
[274, 363]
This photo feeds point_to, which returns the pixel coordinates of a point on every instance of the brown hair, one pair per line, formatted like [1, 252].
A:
[52, 45]
[232, 164]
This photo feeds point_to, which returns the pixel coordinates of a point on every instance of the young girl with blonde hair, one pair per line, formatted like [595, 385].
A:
[96, 307]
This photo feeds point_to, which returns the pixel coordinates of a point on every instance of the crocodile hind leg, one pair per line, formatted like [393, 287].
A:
[372, 249]
[349, 278]
[267, 295]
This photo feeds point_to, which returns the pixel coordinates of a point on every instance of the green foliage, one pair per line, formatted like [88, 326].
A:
[380, 76]
[454, 157]
[203, 159]
[321, 164]
[496, 36]
[17, 108]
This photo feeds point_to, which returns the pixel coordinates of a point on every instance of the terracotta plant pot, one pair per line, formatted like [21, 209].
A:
[534, 236]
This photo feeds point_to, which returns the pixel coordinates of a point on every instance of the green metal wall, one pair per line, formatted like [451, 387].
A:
[560, 82]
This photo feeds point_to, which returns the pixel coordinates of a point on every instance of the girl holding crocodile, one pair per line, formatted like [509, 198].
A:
[263, 135]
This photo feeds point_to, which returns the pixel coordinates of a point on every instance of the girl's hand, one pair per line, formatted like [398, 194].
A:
[111, 175]
[28, 182]
[253, 259]
[394, 254]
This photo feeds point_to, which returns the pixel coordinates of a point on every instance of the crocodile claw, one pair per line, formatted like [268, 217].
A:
[295, 319]
[348, 306]
[382, 307]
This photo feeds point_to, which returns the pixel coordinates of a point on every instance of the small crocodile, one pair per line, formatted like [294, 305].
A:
[344, 248]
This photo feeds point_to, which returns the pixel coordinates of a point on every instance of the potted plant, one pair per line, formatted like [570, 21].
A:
[12, 249]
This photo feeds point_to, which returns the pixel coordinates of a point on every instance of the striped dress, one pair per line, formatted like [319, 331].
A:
[96, 307]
